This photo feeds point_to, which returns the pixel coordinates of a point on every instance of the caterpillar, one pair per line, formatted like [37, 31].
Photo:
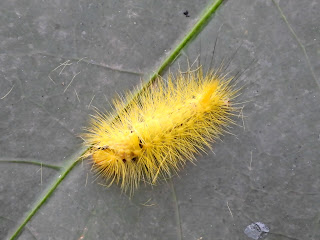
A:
[162, 128]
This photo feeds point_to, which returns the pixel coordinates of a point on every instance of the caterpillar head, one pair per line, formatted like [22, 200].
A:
[117, 158]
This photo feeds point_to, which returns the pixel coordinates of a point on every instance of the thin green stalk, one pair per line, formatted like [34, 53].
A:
[178, 219]
[33, 162]
[69, 166]
[299, 42]
[204, 18]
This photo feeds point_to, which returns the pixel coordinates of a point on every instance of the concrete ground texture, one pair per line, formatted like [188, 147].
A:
[61, 59]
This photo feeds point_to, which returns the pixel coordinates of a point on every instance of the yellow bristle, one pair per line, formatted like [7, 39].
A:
[161, 129]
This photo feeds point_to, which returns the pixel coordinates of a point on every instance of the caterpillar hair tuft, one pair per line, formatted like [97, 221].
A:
[162, 128]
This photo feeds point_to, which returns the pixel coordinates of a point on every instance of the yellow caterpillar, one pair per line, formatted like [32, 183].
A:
[162, 128]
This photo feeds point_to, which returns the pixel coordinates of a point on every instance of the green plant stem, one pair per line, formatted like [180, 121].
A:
[203, 20]
[178, 219]
[33, 162]
[69, 166]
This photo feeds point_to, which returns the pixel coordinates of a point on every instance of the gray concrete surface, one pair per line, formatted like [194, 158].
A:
[268, 172]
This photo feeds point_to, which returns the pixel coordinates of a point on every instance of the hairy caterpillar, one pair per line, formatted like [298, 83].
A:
[162, 128]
